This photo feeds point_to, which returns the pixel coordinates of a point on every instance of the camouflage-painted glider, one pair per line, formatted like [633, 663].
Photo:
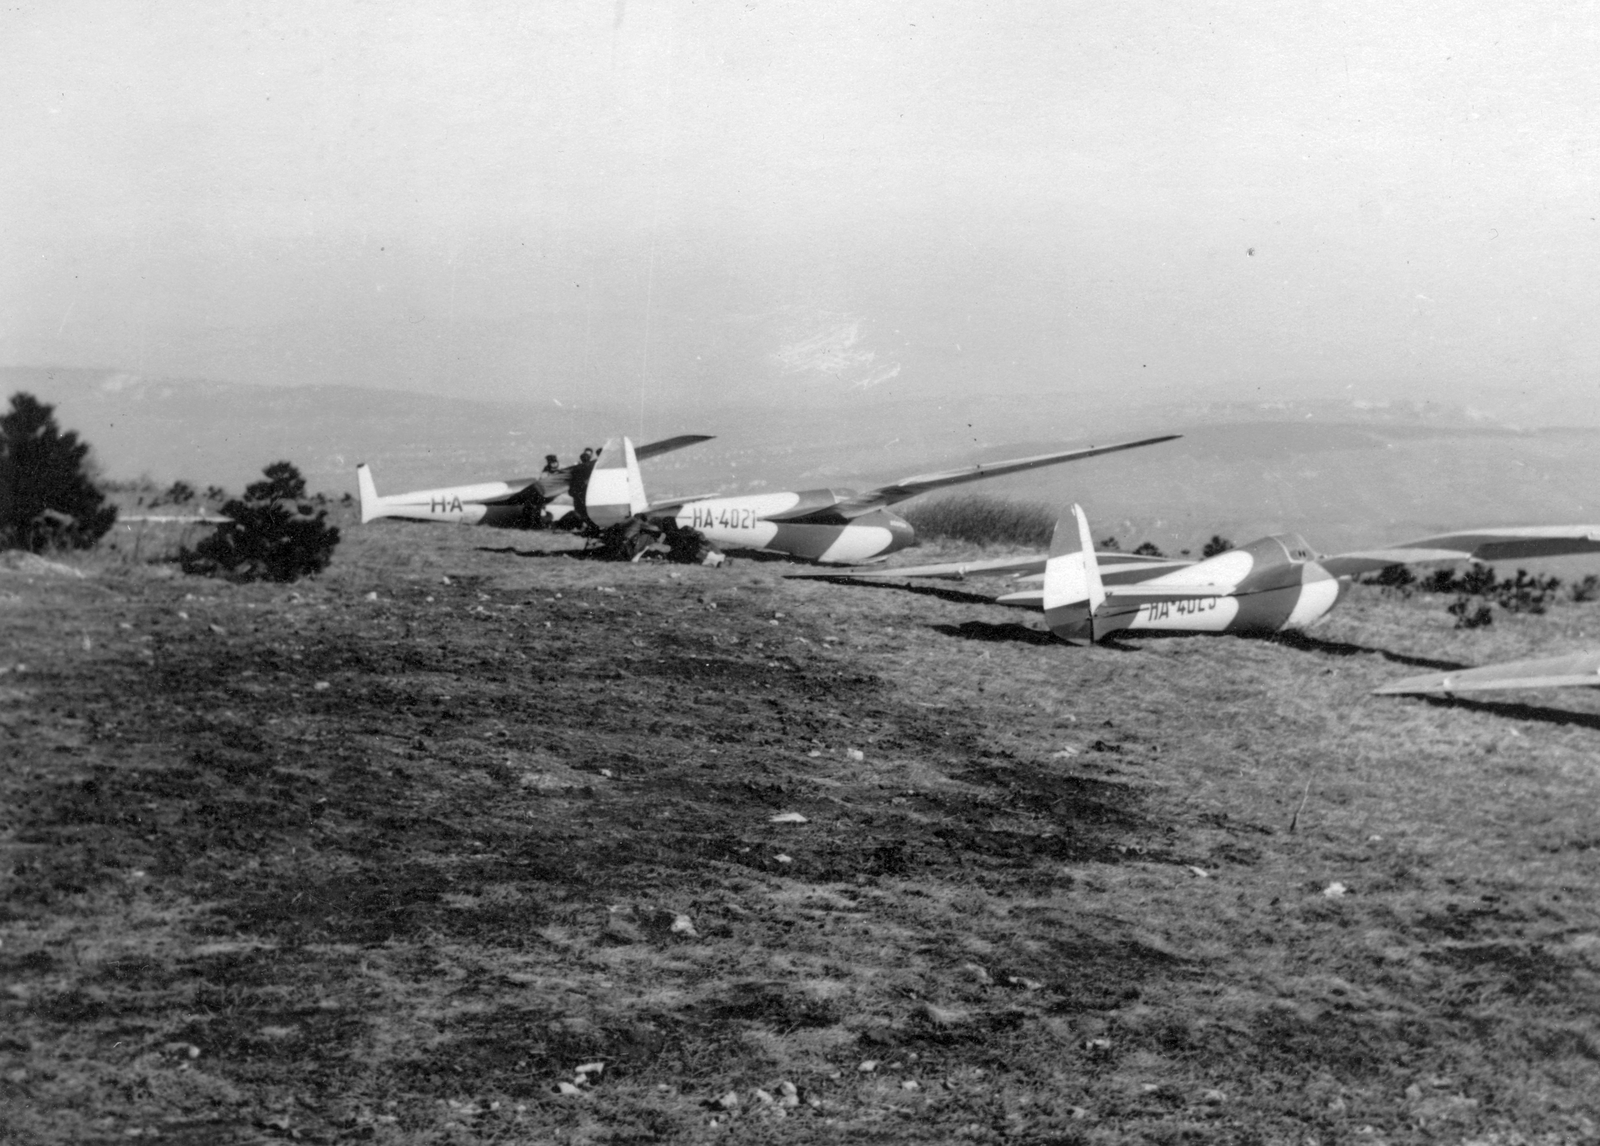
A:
[605, 487]
[1573, 670]
[1276, 583]
[841, 525]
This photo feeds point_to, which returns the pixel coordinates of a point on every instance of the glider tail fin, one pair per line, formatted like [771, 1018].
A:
[371, 503]
[616, 488]
[1073, 592]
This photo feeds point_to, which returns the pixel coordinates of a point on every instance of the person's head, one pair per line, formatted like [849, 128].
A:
[551, 460]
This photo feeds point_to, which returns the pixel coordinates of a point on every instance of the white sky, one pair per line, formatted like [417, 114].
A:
[771, 201]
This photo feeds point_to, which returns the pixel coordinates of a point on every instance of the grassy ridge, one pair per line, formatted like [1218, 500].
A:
[308, 862]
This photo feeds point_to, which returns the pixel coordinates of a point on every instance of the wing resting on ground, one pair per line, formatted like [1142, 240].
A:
[1570, 671]
[922, 483]
[1517, 544]
[949, 571]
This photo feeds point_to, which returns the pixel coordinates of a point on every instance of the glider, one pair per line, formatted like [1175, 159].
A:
[1573, 670]
[1276, 583]
[601, 490]
[840, 525]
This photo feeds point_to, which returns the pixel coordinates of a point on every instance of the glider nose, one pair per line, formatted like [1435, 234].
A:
[901, 535]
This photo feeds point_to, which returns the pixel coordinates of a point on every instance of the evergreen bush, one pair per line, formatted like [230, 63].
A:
[48, 498]
[272, 535]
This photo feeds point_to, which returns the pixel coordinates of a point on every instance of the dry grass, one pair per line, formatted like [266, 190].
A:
[980, 519]
[527, 826]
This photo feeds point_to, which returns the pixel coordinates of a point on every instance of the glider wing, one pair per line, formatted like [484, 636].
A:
[950, 571]
[922, 483]
[667, 445]
[1516, 544]
[1570, 671]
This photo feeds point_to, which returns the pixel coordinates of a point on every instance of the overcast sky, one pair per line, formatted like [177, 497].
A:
[626, 201]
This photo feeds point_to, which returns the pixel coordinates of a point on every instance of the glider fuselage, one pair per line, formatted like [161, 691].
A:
[1265, 587]
[802, 524]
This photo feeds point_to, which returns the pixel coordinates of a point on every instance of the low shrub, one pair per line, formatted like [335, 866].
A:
[271, 535]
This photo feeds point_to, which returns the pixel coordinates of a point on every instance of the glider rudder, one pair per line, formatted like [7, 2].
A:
[368, 490]
[616, 488]
[1073, 592]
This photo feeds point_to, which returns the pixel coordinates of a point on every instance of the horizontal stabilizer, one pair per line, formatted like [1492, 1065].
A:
[1570, 671]
[1521, 543]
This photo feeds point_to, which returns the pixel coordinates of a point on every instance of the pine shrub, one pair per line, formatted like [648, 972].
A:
[48, 498]
[271, 534]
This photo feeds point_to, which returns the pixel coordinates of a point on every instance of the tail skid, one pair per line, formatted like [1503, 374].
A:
[1073, 592]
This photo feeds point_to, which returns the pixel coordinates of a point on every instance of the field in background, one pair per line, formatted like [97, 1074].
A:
[389, 856]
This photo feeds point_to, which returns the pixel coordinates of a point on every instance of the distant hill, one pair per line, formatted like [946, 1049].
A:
[1344, 474]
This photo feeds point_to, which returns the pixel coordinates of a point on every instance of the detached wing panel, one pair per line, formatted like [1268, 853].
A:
[1517, 544]
[922, 483]
[1571, 671]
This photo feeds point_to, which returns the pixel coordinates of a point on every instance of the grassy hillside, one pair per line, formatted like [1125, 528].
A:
[394, 856]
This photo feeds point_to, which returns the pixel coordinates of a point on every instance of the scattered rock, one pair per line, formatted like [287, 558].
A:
[1213, 1098]
[567, 1090]
[910, 1084]
[788, 1095]
[1063, 753]
[868, 1066]
[1097, 1046]
[855, 755]
[943, 1016]
[1335, 890]
[1199, 871]
[589, 1068]
[788, 818]
[762, 1096]
[22, 562]
[729, 1101]
[680, 926]
[783, 858]
[620, 931]
[320, 686]
[977, 973]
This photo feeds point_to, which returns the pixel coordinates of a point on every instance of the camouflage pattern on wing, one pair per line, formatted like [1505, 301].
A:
[1574, 670]
[1521, 543]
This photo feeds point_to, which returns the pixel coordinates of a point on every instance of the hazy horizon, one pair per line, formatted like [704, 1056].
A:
[648, 205]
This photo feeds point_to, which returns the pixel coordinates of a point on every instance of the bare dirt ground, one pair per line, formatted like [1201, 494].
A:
[471, 841]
